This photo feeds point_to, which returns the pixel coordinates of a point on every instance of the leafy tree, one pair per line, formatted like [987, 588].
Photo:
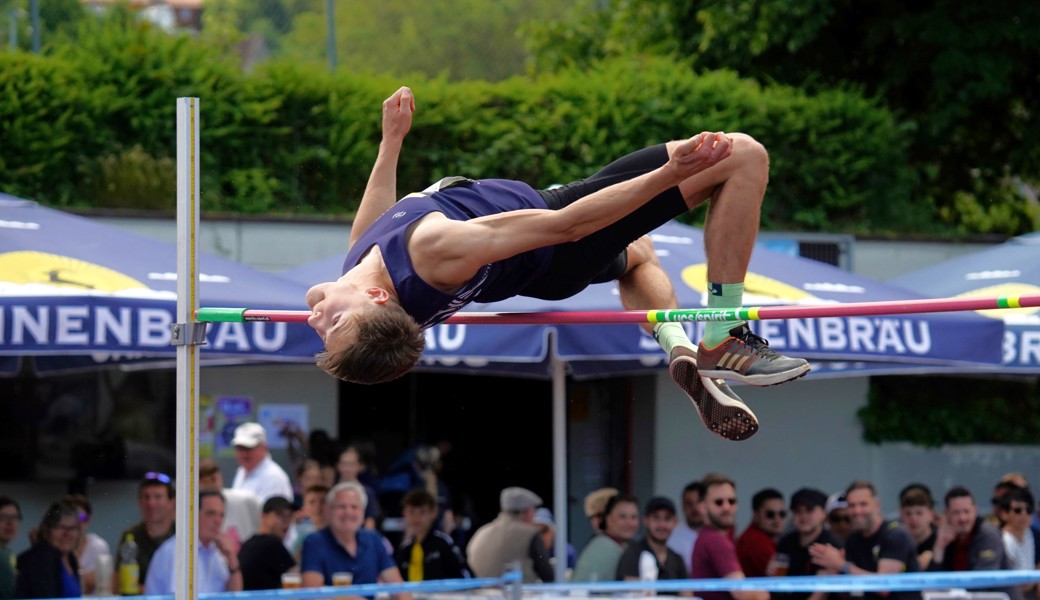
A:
[465, 39]
[958, 74]
[57, 17]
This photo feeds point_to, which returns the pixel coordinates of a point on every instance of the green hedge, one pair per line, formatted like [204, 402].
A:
[933, 411]
[94, 126]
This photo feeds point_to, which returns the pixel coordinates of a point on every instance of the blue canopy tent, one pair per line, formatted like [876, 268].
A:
[1011, 268]
[911, 342]
[75, 293]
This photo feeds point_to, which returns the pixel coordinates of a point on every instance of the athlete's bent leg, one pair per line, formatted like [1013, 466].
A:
[736, 187]
[645, 286]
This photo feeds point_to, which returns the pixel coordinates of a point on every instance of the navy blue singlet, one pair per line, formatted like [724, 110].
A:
[461, 200]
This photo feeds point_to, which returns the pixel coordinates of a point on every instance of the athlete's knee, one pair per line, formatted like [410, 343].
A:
[751, 156]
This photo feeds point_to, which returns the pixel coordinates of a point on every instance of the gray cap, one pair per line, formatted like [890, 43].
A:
[518, 499]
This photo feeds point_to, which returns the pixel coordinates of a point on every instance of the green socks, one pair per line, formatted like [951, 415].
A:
[722, 295]
[670, 335]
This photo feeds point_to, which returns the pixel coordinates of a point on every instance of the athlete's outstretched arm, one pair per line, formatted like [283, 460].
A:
[450, 252]
[381, 191]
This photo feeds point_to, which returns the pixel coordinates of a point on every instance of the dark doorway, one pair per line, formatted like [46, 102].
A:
[494, 432]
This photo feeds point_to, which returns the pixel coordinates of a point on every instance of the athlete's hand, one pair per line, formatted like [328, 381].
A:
[397, 114]
[700, 152]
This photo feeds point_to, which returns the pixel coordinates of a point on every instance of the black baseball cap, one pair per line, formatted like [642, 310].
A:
[809, 498]
[277, 504]
[658, 503]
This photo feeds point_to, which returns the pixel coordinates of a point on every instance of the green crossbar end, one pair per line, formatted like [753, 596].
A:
[220, 315]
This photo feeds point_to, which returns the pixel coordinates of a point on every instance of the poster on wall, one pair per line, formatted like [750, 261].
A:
[282, 421]
[229, 413]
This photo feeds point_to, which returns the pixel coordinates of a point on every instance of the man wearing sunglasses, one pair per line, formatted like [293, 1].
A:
[757, 545]
[714, 555]
[967, 542]
[155, 500]
[1021, 538]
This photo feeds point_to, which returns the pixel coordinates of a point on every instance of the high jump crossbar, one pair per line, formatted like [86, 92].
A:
[755, 313]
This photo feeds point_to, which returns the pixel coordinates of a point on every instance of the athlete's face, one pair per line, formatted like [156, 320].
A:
[333, 302]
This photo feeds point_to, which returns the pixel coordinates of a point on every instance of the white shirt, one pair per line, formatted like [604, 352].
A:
[213, 570]
[266, 480]
[241, 514]
[1020, 554]
[681, 541]
[95, 548]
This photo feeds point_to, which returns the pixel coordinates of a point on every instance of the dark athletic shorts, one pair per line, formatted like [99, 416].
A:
[602, 256]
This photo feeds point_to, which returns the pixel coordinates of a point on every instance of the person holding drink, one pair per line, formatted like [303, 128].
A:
[808, 515]
[345, 548]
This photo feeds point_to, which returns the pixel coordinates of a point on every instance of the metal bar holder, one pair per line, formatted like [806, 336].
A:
[188, 334]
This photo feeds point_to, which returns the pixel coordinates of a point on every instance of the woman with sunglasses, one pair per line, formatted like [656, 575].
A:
[49, 568]
[91, 550]
[599, 560]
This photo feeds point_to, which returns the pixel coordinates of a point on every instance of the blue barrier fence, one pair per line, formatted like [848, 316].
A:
[967, 580]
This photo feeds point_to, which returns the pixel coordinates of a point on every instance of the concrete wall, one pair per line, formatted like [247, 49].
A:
[265, 245]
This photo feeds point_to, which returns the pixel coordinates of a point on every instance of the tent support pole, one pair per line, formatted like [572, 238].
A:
[559, 425]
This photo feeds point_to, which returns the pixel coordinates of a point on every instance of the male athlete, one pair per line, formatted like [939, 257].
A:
[411, 264]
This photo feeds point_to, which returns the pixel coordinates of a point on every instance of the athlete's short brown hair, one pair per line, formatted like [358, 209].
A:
[389, 343]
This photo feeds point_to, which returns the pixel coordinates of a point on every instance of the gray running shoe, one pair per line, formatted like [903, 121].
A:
[747, 358]
[722, 411]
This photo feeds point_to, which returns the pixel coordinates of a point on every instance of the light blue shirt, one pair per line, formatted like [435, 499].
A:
[212, 569]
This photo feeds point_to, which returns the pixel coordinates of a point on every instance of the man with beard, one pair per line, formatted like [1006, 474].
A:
[876, 546]
[967, 542]
[659, 521]
[807, 516]
[714, 555]
[684, 536]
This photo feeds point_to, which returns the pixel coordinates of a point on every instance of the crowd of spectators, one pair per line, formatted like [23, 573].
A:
[324, 528]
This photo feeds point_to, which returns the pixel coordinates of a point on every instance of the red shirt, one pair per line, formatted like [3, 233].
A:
[755, 548]
[960, 553]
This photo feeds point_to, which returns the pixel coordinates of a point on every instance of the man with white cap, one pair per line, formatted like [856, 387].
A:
[257, 472]
[511, 538]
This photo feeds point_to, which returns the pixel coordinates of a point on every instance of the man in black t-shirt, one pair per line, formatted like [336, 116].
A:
[263, 557]
[807, 517]
[876, 546]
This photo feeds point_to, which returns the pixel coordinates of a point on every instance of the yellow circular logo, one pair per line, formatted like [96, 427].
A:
[28, 267]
